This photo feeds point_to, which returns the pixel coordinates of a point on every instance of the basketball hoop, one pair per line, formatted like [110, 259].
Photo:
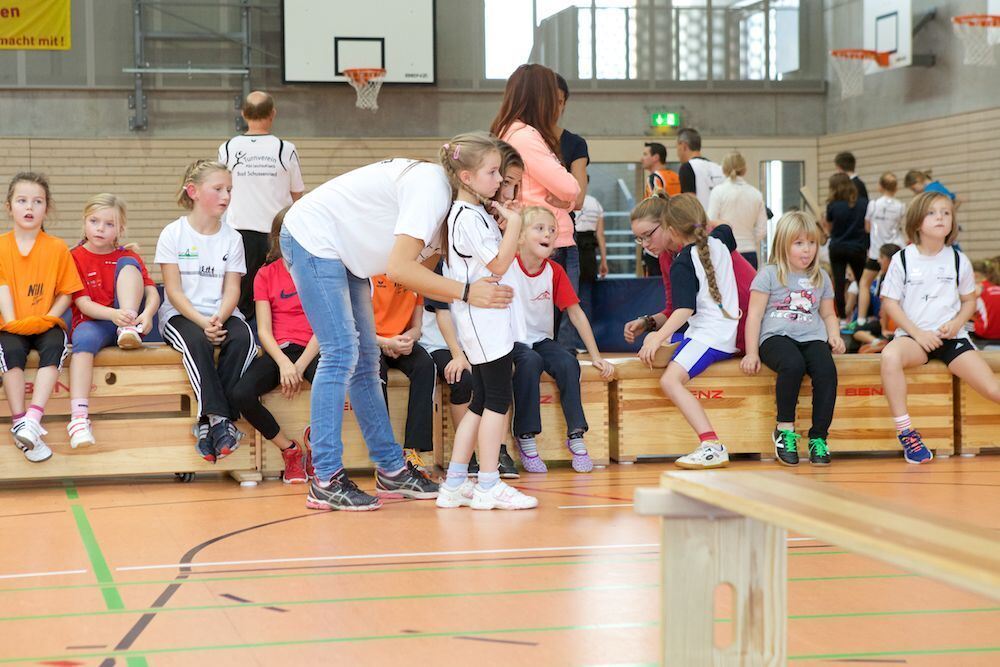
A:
[367, 82]
[979, 32]
[850, 65]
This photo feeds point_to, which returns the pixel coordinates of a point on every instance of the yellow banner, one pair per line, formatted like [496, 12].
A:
[40, 25]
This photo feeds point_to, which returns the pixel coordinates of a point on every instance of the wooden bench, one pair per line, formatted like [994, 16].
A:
[724, 528]
[142, 408]
[293, 416]
[977, 419]
[742, 409]
[594, 394]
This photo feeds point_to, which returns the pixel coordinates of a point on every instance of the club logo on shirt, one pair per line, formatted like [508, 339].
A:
[239, 155]
[225, 258]
[37, 292]
[207, 272]
[544, 296]
[190, 253]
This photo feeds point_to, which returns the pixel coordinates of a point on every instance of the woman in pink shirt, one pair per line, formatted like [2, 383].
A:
[527, 120]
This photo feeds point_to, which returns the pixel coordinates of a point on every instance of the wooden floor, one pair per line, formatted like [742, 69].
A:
[155, 572]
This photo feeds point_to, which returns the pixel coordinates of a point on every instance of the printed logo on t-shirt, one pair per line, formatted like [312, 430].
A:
[37, 292]
[190, 253]
[289, 295]
[797, 306]
[544, 296]
[255, 165]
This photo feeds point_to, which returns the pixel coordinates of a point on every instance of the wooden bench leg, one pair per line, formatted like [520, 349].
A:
[247, 477]
[703, 547]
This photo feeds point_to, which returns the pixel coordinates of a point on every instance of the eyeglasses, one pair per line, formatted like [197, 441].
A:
[643, 238]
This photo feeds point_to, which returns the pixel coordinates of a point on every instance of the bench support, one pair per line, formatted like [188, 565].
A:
[702, 547]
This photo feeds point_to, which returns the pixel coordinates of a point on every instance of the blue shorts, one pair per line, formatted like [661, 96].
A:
[93, 335]
[695, 357]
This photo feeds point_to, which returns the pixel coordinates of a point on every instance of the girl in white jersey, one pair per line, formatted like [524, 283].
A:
[377, 219]
[930, 292]
[479, 247]
[704, 296]
[884, 220]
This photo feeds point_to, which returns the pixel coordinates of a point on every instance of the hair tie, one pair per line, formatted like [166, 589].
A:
[447, 146]
[458, 149]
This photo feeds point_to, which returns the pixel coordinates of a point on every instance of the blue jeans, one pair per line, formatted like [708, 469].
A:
[339, 307]
[93, 335]
[569, 259]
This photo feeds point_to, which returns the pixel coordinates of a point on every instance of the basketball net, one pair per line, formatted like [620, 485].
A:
[850, 65]
[979, 33]
[366, 83]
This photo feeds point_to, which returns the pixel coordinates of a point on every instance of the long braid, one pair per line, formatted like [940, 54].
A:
[464, 152]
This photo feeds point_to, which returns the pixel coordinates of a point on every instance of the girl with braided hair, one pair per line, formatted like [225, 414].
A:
[704, 296]
[479, 246]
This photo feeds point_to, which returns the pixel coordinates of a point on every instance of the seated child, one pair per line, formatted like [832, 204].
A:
[987, 317]
[876, 331]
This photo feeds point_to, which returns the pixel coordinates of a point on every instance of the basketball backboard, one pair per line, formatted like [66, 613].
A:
[888, 28]
[322, 38]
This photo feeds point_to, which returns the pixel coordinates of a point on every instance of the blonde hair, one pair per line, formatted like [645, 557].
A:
[685, 214]
[789, 228]
[532, 213]
[918, 209]
[466, 152]
[734, 166]
[915, 176]
[105, 200]
[888, 182]
[651, 207]
[195, 174]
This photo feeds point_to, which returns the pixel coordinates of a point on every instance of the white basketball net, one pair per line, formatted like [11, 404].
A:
[979, 34]
[366, 83]
[851, 72]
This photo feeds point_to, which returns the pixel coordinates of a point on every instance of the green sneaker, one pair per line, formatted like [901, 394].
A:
[819, 455]
[786, 446]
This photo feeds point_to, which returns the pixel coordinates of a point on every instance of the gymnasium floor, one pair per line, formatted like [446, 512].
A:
[161, 573]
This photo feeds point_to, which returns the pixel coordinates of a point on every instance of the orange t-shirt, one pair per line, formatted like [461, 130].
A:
[666, 179]
[37, 278]
[393, 305]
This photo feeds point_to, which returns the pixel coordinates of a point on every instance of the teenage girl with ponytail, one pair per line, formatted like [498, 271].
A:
[704, 297]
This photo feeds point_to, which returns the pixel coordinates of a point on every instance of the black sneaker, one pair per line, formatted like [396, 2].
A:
[225, 438]
[819, 455]
[341, 494]
[204, 446]
[786, 446]
[473, 465]
[408, 483]
[507, 469]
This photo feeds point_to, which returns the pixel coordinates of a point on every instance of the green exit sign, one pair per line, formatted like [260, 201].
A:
[665, 119]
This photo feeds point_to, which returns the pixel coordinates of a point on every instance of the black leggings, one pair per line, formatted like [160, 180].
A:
[840, 258]
[791, 360]
[418, 367]
[262, 377]
[492, 386]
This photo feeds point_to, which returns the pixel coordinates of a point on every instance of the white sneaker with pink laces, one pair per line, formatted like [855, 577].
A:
[129, 338]
[80, 434]
[501, 497]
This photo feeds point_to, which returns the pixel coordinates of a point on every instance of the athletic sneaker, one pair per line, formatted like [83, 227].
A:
[474, 465]
[710, 454]
[501, 497]
[28, 432]
[413, 456]
[35, 453]
[341, 494]
[530, 463]
[850, 327]
[410, 482]
[295, 472]
[129, 338]
[80, 434]
[786, 446]
[819, 454]
[451, 498]
[914, 450]
[506, 467]
[225, 438]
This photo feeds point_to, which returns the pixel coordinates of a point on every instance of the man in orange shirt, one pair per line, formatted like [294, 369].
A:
[398, 319]
[654, 161]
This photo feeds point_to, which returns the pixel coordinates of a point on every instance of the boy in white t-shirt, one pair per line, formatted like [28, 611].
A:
[266, 179]
[202, 263]
[884, 220]
[540, 283]
[930, 292]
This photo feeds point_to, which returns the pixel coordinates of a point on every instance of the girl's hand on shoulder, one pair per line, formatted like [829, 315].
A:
[837, 344]
[454, 369]
[606, 368]
[750, 364]
[487, 293]
[928, 340]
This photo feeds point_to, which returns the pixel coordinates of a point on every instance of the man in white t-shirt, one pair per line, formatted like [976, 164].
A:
[266, 179]
[698, 175]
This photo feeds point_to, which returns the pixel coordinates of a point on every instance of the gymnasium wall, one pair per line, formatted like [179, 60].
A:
[909, 94]
[962, 149]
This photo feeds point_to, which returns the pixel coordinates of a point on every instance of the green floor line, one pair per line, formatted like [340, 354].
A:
[882, 654]
[112, 598]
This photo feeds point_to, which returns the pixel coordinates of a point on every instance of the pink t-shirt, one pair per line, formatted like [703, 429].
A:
[544, 174]
[274, 284]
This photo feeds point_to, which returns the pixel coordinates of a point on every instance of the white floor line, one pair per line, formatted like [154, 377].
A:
[586, 507]
[41, 574]
[411, 554]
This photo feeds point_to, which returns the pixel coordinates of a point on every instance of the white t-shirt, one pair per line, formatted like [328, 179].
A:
[431, 338]
[203, 262]
[473, 242]
[741, 206]
[689, 289]
[356, 217]
[930, 295]
[265, 172]
[707, 175]
[588, 215]
[885, 216]
[536, 296]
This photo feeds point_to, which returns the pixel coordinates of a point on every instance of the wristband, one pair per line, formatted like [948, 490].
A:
[465, 293]
[649, 322]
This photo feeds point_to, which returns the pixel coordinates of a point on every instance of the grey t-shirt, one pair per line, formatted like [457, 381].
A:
[792, 311]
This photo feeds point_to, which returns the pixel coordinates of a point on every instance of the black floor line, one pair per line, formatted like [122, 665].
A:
[496, 641]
